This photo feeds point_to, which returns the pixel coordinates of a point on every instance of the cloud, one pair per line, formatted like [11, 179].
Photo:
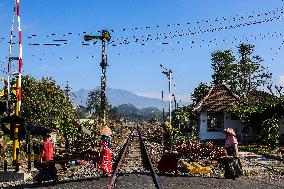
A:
[281, 81]
[183, 97]
[150, 94]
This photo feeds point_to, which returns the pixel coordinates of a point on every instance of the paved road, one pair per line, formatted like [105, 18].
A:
[93, 183]
[134, 182]
[201, 183]
[137, 181]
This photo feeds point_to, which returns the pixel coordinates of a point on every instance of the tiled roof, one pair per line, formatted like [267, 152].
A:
[219, 99]
[261, 96]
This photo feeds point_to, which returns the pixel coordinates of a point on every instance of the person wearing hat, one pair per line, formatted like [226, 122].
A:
[231, 144]
[167, 127]
[232, 166]
[105, 159]
[47, 169]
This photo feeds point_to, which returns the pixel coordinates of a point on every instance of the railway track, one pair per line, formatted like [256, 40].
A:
[134, 169]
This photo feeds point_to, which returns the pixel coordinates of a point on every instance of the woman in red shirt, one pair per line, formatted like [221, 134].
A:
[105, 161]
[47, 169]
[47, 150]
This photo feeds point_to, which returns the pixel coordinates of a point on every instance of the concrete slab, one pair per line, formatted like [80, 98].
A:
[7, 176]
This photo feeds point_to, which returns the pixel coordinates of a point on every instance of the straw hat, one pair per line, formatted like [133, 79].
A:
[167, 126]
[229, 131]
[105, 130]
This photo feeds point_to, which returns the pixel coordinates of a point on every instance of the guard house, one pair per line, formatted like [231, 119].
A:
[214, 116]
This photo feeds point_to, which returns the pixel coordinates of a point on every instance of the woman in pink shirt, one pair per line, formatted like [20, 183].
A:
[232, 166]
[231, 144]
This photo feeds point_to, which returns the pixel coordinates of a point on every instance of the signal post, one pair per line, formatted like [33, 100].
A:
[104, 37]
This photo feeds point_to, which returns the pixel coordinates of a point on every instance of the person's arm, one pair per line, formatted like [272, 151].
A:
[43, 151]
[51, 149]
[236, 146]
[236, 149]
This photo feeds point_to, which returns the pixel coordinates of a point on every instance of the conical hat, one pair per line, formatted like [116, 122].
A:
[105, 130]
[230, 131]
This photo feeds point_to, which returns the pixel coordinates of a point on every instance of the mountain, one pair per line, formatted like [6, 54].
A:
[117, 97]
[135, 114]
[126, 109]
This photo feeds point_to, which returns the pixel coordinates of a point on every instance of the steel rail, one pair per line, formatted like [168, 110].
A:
[122, 157]
[153, 172]
[154, 175]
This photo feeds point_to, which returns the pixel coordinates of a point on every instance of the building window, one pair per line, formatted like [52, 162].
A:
[234, 117]
[215, 122]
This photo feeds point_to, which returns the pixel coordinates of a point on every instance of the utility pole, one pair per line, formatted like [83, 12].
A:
[67, 90]
[163, 106]
[105, 36]
[175, 101]
[168, 73]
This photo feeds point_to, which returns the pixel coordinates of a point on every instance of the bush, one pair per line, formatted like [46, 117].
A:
[269, 133]
[194, 150]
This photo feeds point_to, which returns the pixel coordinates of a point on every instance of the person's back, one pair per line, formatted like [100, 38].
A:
[47, 169]
[47, 150]
[232, 164]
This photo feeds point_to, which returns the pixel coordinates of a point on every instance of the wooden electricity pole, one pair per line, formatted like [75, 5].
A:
[168, 73]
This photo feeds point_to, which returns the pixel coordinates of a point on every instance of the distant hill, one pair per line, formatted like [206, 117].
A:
[131, 109]
[117, 97]
[133, 113]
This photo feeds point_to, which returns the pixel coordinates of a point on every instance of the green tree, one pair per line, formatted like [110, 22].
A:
[94, 103]
[81, 112]
[250, 74]
[269, 133]
[127, 109]
[244, 75]
[257, 114]
[114, 114]
[276, 90]
[223, 67]
[45, 104]
[184, 116]
[200, 92]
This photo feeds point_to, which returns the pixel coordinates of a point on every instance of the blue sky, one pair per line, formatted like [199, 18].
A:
[135, 66]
